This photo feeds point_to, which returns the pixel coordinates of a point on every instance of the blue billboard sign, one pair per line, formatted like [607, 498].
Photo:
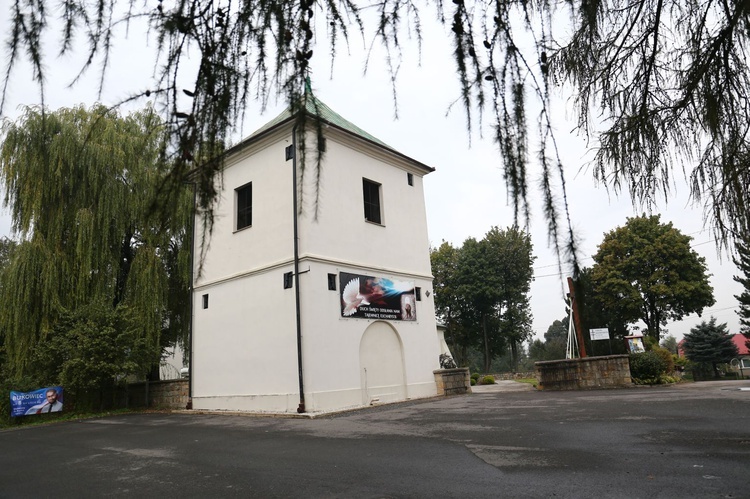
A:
[40, 401]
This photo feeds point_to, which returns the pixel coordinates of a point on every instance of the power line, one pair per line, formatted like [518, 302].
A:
[550, 275]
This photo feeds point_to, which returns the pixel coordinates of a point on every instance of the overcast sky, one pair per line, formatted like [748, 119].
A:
[465, 196]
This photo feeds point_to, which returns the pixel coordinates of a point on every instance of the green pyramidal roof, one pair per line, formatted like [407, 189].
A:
[316, 108]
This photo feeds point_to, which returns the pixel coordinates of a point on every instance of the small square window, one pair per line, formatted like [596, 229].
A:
[331, 282]
[371, 191]
[410, 178]
[244, 197]
[205, 301]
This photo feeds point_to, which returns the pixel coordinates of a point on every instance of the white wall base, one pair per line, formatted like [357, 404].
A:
[328, 401]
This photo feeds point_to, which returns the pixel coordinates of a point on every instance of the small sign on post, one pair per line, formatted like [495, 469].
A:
[635, 343]
[601, 333]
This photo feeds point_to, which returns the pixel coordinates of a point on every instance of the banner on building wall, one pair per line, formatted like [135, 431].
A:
[41, 401]
[367, 297]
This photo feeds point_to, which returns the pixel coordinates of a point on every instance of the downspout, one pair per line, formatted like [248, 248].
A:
[191, 307]
[301, 407]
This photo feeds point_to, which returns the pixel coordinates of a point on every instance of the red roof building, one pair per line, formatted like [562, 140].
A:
[739, 340]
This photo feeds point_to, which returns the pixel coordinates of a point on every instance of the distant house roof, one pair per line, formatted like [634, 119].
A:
[741, 341]
[316, 109]
[738, 339]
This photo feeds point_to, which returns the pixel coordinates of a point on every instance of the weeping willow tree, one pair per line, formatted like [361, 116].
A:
[78, 183]
[661, 87]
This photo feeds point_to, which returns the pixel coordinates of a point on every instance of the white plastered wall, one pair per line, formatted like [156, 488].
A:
[269, 241]
[244, 344]
[331, 343]
[340, 239]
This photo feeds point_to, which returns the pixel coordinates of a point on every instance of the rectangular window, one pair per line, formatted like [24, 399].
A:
[288, 280]
[332, 282]
[410, 179]
[418, 293]
[244, 206]
[205, 301]
[371, 191]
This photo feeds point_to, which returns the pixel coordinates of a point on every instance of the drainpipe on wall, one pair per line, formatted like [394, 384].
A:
[190, 302]
[301, 407]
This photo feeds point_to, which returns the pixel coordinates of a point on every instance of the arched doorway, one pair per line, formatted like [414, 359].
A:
[381, 361]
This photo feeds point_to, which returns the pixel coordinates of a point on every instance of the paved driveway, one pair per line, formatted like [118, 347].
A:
[689, 440]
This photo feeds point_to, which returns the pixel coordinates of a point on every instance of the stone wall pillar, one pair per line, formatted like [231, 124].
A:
[452, 381]
[611, 371]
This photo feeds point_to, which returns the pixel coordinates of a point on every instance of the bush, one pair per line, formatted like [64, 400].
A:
[475, 376]
[680, 362]
[647, 367]
[667, 357]
[473, 381]
[488, 380]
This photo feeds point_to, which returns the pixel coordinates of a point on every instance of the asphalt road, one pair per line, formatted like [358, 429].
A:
[690, 440]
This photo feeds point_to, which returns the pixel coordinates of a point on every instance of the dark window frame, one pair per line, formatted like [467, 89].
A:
[244, 206]
[371, 193]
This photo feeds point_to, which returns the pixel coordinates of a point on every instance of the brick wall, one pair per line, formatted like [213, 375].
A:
[452, 381]
[580, 374]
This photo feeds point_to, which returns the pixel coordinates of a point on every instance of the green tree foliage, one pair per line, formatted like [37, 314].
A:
[484, 287]
[558, 330]
[78, 183]
[92, 349]
[661, 88]
[448, 303]
[742, 260]
[710, 343]
[555, 342]
[537, 350]
[596, 314]
[7, 246]
[647, 271]
[669, 343]
[6, 250]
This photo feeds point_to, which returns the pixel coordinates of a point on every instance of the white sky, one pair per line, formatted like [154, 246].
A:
[465, 196]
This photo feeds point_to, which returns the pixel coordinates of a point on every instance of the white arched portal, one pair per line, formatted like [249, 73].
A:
[381, 358]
